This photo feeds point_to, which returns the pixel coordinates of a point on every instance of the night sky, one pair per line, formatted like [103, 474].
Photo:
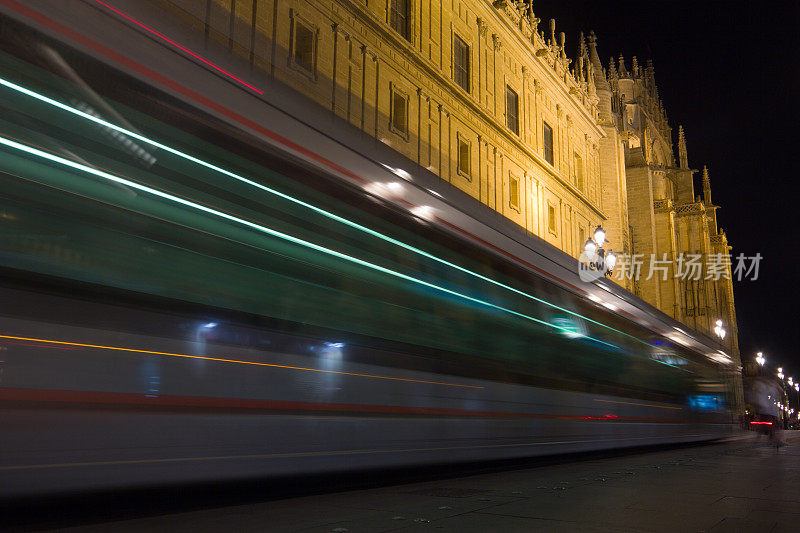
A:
[728, 72]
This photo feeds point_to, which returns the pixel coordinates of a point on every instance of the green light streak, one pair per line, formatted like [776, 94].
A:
[328, 214]
[266, 230]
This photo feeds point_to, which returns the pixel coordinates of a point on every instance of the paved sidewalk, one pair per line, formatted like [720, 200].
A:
[742, 485]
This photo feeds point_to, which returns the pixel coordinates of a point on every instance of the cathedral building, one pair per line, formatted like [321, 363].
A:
[484, 95]
[672, 231]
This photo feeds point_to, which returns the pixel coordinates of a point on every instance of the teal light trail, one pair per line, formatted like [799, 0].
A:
[328, 214]
[269, 231]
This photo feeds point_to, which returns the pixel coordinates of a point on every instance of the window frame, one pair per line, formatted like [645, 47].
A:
[296, 65]
[547, 128]
[407, 32]
[578, 176]
[466, 68]
[461, 139]
[394, 92]
[509, 92]
[514, 199]
[552, 208]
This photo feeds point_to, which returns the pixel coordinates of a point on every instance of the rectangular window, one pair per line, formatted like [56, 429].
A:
[547, 138]
[513, 192]
[460, 63]
[464, 157]
[399, 113]
[578, 172]
[304, 46]
[551, 218]
[512, 110]
[400, 17]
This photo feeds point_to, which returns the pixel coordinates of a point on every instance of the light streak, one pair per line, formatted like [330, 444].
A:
[328, 214]
[237, 361]
[643, 404]
[269, 231]
[176, 45]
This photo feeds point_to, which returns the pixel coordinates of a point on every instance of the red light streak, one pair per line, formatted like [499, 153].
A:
[762, 423]
[183, 48]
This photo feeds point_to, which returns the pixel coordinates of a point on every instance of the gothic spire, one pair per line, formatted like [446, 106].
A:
[584, 59]
[706, 187]
[599, 79]
[612, 69]
[650, 73]
[682, 155]
[623, 72]
[583, 51]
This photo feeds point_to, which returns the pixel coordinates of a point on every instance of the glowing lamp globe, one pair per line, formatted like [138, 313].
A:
[611, 260]
[599, 236]
[590, 248]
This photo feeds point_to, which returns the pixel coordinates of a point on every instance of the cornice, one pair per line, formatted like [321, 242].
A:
[535, 53]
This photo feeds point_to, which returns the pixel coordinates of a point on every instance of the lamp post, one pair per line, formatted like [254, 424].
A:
[760, 359]
[597, 257]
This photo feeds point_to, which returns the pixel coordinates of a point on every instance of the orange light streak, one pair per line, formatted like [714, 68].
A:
[236, 361]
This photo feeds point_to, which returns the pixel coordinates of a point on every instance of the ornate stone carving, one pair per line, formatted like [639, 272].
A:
[482, 26]
[662, 205]
[508, 9]
[525, 27]
[692, 208]
[498, 43]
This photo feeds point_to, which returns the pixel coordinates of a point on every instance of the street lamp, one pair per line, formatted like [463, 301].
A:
[797, 397]
[719, 330]
[597, 257]
[760, 359]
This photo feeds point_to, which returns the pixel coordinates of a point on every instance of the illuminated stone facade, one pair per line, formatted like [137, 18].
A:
[667, 221]
[482, 96]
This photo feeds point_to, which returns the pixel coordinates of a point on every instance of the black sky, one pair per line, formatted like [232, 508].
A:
[728, 72]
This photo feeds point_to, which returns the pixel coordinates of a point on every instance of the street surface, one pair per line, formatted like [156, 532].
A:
[740, 485]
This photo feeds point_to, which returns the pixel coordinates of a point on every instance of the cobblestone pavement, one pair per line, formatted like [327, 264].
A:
[740, 485]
